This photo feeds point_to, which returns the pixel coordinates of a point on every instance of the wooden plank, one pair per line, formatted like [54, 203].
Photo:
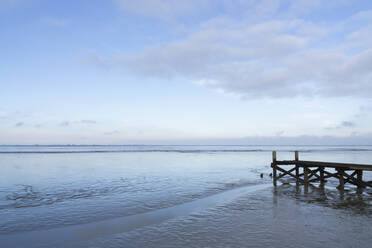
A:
[351, 179]
[313, 173]
[334, 165]
[285, 172]
[286, 162]
[329, 174]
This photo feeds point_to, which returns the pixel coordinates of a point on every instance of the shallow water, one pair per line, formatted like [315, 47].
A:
[167, 196]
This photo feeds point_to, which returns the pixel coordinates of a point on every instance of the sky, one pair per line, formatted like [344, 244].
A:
[186, 72]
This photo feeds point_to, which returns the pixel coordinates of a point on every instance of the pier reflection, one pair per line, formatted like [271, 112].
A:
[358, 201]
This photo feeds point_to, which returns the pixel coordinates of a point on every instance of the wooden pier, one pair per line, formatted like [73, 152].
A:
[315, 171]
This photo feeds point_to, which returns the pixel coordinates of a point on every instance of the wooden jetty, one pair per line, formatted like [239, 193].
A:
[315, 171]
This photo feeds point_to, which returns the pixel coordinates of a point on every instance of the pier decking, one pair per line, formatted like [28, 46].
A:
[316, 171]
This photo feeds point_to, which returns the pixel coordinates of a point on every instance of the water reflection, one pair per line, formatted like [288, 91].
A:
[358, 201]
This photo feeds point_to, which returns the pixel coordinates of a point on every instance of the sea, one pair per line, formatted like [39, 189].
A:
[176, 196]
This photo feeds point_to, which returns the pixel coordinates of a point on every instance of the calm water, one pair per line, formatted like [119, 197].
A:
[175, 196]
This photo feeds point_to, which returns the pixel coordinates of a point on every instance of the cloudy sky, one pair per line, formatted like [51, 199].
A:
[185, 71]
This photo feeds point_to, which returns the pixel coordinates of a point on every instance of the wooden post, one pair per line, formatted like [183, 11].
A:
[321, 173]
[306, 175]
[274, 168]
[306, 180]
[321, 189]
[360, 178]
[341, 179]
[297, 168]
[296, 155]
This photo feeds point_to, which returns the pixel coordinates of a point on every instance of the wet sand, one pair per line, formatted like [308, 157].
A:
[198, 198]
[281, 217]
[249, 216]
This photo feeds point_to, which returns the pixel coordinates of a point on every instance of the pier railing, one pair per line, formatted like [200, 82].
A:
[316, 171]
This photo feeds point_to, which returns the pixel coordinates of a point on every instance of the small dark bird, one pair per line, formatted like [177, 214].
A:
[271, 174]
[261, 175]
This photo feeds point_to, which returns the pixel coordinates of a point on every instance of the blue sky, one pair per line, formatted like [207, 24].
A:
[163, 71]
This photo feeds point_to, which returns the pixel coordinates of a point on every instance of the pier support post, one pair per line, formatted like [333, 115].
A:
[297, 167]
[341, 179]
[306, 180]
[306, 175]
[274, 168]
[360, 178]
[321, 173]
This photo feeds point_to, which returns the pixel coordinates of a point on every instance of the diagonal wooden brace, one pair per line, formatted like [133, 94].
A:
[351, 179]
[286, 172]
[313, 173]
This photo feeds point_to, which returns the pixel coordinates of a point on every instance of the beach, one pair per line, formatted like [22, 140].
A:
[175, 196]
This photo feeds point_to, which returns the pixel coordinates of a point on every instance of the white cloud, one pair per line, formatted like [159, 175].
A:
[165, 9]
[162, 8]
[83, 122]
[112, 132]
[3, 114]
[19, 124]
[87, 122]
[281, 57]
[64, 124]
[343, 124]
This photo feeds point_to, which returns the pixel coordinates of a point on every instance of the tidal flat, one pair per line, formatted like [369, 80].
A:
[175, 196]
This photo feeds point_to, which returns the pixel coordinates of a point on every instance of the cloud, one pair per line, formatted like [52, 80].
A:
[307, 140]
[174, 9]
[100, 61]
[112, 132]
[363, 112]
[19, 124]
[285, 55]
[87, 122]
[162, 8]
[353, 139]
[365, 108]
[343, 124]
[347, 124]
[64, 124]
[279, 133]
[3, 114]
